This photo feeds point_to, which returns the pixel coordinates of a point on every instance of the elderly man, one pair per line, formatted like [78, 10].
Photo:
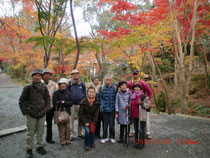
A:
[106, 95]
[51, 86]
[147, 90]
[34, 103]
[78, 92]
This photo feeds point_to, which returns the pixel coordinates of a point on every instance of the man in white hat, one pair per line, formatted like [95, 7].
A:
[51, 86]
[78, 92]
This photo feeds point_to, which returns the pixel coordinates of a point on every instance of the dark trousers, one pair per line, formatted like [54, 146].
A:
[142, 130]
[123, 129]
[108, 121]
[98, 125]
[49, 118]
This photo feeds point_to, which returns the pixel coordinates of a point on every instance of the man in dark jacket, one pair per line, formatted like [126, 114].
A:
[34, 103]
[78, 92]
[106, 95]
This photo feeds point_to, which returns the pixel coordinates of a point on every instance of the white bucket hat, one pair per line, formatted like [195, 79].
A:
[63, 80]
[75, 71]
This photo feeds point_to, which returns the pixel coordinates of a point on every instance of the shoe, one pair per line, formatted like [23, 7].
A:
[93, 146]
[113, 141]
[87, 148]
[51, 142]
[104, 140]
[137, 146]
[120, 141]
[72, 138]
[148, 136]
[81, 137]
[29, 153]
[98, 137]
[41, 150]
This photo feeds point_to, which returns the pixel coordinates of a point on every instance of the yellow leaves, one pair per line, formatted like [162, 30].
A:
[152, 83]
[17, 66]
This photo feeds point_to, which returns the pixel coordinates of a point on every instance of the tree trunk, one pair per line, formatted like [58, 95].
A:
[75, 33]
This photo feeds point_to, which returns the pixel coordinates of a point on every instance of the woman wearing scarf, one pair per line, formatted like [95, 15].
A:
[135, 103]
[88, 112]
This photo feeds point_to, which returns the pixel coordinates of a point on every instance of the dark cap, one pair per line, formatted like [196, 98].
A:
[135, 71]
[137, 85]
[37, 71]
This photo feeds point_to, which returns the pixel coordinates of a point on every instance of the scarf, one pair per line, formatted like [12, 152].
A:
[135, 95]
[91, 100]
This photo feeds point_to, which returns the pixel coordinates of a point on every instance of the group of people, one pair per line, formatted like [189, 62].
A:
[41, 101]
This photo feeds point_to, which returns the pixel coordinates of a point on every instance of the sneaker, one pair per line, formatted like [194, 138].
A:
[148, 136]
[29, 153]
[72, 138]
[41, 150]
[112, 141]
[104, 140]
[137, 146]
[87, 148]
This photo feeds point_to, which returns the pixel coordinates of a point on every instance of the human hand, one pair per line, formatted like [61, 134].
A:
[87, 124]
[127, 107]
[140, 102]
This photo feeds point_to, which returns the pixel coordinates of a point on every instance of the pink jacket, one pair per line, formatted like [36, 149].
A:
[135, 107]
[145, 86]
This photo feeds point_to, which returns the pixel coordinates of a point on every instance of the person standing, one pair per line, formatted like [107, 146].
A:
[34, 103]
[51, 86]
[106, 95]
[147, 91]
[62, 101]
[88, 111]
[78, 92]
[122, 105]
[96, 85]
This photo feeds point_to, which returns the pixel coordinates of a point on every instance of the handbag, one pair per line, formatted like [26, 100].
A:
[92, 128]
[61, 117]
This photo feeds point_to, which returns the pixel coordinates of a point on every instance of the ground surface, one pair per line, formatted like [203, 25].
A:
[186, 137]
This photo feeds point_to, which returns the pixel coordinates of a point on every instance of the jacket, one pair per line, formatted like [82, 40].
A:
[51, 86]
[77, 90]
[35, 100]
[87, 113]
[58, 97]
[107, 98]
[122, 100]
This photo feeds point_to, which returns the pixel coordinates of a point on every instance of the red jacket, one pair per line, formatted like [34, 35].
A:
[135, 107]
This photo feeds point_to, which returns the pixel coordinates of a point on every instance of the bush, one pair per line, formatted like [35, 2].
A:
[166, 66]
[161, 102]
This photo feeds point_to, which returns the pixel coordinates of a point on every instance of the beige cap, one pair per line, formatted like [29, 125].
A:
[75, 71]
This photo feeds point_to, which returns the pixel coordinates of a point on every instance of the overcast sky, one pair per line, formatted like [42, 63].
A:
[82, 27]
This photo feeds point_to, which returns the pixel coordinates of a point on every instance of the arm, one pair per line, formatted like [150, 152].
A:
[68, 101]
[23, 100]
[147, 89]
[56, 101]
[81, 114]
[84, 89]
[47, 98]
[99, 94]
[117, 103]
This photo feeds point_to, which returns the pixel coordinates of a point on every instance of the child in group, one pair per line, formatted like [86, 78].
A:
[136, 100]
[122, 105]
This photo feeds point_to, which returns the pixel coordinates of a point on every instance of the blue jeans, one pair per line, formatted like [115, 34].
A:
[89, 138]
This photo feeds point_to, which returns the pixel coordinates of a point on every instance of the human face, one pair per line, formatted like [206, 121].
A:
[108, 81]
[123, 87]
[91, 93]
[135, 76]
[75, 76]
[96, 82]
[46, 76]
[37, 77]
[137, 89]
[63, 86]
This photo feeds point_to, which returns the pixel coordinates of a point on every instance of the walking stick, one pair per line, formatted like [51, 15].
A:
[127, 130]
